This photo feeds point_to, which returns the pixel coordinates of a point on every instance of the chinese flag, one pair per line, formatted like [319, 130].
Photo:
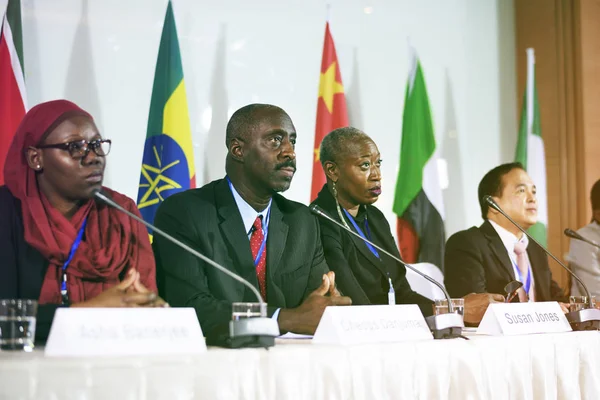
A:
[331, 107]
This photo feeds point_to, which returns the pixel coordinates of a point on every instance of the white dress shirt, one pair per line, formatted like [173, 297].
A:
[249, 215]
[584, 260]
[509, 240]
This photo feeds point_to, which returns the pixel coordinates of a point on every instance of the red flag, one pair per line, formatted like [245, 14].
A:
[331, 107]
[12, 82]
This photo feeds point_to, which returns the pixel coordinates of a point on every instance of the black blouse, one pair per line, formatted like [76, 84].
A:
[360, 274]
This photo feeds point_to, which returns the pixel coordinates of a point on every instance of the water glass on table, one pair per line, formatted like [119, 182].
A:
[17, 324]
[248, 310]
[441, 306]
[577, 303]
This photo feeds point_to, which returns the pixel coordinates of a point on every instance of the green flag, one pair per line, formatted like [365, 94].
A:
[530, 150]
[418, 200]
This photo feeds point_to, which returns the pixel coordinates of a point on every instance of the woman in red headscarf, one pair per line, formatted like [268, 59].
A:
[57, 244]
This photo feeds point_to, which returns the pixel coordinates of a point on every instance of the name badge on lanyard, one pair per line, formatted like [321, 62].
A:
[63, 285]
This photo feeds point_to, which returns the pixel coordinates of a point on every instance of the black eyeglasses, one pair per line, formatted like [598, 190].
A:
[80, 148]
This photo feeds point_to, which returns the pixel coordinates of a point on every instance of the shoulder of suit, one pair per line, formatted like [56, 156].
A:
[474, 233]
[290, 207]
[197, 196]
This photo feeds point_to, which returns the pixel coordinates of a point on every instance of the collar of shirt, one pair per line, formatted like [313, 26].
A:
[361, 215]
[248, 213]
[508, 238]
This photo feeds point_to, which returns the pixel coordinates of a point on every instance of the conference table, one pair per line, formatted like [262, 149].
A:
[542, 366]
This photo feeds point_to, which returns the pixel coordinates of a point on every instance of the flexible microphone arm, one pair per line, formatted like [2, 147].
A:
[105, 199]
[574, 235]
[321, 213]
[488, 199]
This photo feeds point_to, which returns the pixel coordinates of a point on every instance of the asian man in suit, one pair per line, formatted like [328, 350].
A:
[242, 223]
[486, 258]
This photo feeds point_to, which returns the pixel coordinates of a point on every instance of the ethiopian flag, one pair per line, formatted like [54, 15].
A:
[168, 163]
[530, 150]
[331, 107]
[13, 104]
[418, 201]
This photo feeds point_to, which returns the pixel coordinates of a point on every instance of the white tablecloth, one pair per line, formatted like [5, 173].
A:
[552, 366]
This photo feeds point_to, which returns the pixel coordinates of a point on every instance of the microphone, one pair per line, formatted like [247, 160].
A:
[586, 319]
[443, 326]
[574, 235]
[511, 290]
[247, 332]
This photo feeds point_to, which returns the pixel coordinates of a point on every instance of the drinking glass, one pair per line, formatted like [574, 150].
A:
[441, 306]
[577, 303]
[248, 310]
[17, 324]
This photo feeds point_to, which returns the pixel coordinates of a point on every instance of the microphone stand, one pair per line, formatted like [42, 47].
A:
[582, 320]
[574, 235]
[246, 332]
[443, 326]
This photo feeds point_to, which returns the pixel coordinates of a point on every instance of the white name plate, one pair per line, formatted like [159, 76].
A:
[523, 318]
[94, 332]
[371, 324]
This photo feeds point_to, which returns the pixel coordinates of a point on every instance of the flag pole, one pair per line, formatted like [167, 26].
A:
[530, 86]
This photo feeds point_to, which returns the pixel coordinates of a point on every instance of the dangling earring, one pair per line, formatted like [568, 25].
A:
[337, 205]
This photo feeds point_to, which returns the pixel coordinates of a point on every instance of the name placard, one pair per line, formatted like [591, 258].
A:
[523, 318]
[96, 332]
[371, 324]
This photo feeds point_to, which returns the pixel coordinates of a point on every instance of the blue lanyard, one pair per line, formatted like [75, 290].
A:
[362, 235]
[63, 285]
[264, 241]
[526, 282]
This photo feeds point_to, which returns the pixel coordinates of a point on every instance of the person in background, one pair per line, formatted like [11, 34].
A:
[584, 259]
[351, 161]
[242, 223]
[486, 258]
[52, 230]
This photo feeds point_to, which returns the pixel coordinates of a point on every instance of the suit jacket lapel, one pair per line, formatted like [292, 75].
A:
[276, 240]
[366, 252]
[498, 248]
[362, 247]
[232, 227]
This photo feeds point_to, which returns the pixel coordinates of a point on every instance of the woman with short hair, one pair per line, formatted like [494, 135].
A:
[351, 161]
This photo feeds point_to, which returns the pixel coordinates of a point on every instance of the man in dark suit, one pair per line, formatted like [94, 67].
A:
[243, 224]
[486, 258]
